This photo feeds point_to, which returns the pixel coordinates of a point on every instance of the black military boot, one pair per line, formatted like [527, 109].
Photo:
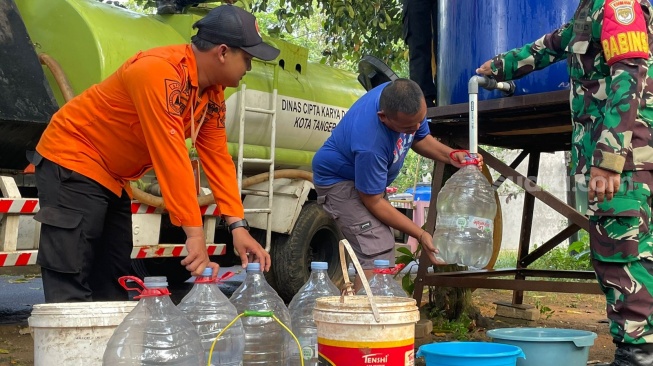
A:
[633, 355]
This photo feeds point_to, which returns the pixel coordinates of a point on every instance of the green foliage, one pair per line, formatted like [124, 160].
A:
[575, 257]
[407, 257]
[458, 329]
[351, 28]
[415, 169]
[580, 249]
[544, 310]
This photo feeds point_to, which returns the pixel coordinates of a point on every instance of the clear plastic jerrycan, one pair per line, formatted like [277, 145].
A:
[465, 221]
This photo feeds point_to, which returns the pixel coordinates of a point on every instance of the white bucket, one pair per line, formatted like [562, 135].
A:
[72, 334]
[348, 334]
[365, 330]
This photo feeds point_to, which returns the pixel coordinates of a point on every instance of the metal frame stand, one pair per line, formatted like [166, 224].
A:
[510, 279]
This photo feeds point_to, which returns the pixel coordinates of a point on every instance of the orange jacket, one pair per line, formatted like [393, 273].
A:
[138, 119]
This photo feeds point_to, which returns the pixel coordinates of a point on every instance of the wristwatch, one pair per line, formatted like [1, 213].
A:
[237, 224]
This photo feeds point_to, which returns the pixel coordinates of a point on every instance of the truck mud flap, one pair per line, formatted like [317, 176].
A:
[26, 100]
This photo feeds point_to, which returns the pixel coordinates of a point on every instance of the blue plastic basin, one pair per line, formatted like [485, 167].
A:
[469, 354]
[547, 346]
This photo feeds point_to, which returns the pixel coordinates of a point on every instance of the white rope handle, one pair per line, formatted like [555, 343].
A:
[361, 274]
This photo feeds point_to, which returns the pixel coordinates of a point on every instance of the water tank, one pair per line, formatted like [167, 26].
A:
[422, 192]
[473, 31]
[91, 40]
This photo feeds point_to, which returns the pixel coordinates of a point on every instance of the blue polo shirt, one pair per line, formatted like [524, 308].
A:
[362, 149]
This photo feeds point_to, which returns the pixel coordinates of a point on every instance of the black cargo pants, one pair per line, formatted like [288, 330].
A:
[86, 236]
[420, 34]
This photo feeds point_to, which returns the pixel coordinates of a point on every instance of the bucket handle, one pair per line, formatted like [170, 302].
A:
[349, 292]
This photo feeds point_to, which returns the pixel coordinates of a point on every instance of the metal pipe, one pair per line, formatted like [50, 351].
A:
[485, 82]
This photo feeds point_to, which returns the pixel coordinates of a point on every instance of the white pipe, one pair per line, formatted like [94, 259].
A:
[472, 87]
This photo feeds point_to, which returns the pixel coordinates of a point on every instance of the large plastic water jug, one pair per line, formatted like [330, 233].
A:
[210, 312]
[465, 220]
[266, 342]
[301, 311]
[155, 332]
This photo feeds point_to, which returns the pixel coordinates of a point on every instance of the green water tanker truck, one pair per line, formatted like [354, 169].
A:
[282, 112]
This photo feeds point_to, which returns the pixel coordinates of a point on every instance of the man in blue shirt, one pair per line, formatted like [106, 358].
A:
[363, 155]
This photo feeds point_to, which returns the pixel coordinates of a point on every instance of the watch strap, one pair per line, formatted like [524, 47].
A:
[237, 224]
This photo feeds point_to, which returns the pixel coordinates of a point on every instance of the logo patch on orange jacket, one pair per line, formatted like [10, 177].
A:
[218, 110]
[173, 97]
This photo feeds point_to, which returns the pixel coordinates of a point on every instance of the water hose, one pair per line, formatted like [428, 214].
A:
[155, 201]
[59, 76]
[264, 314]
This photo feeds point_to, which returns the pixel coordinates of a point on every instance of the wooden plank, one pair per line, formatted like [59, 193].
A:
[534, 131]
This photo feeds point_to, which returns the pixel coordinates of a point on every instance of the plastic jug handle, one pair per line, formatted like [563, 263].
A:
[361, 274]
[123, 282]
[145, 292]
[225, 276]
[391, 271]
[470, 159]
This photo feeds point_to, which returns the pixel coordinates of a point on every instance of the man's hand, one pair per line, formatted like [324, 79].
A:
[197, 258]
[426, 240]
[249, 249]
[485, 69]
[457, 159]
[603, 184]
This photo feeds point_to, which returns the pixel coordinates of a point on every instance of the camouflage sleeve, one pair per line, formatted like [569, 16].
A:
[624, 97]
[624, 39]
[547, 50]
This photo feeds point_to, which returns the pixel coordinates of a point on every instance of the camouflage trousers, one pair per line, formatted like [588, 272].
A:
[621, 243]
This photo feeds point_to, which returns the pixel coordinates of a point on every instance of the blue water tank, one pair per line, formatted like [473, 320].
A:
[422, 192]
[473, 31]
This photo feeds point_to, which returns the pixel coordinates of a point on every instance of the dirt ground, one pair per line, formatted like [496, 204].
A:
[569, 311]
[572, 311]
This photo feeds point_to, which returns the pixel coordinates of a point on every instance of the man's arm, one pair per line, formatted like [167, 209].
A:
[221, 173]
[383, 210]
[519, 62]
[433, 149]
[628, 71]
[146, 80]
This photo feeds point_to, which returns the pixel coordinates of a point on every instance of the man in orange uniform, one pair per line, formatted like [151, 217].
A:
[135, 120]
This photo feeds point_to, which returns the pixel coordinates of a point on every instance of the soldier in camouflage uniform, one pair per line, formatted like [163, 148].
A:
[606, 46]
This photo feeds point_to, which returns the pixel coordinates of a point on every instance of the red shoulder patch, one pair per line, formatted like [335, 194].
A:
[624, 34]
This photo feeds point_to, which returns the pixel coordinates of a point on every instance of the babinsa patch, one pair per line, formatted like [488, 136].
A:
[624, 11]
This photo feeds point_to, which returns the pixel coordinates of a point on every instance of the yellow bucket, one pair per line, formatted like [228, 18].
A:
[365, 330]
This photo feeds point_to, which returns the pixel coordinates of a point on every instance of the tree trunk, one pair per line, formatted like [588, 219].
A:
[450, 302]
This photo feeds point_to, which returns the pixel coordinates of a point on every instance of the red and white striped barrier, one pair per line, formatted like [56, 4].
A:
[31, 206]
[28, 257]
[173, 250]
[19, 205]
[22, 258]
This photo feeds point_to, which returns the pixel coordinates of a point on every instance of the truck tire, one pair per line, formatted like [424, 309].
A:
[315, 237]
[165, 266]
